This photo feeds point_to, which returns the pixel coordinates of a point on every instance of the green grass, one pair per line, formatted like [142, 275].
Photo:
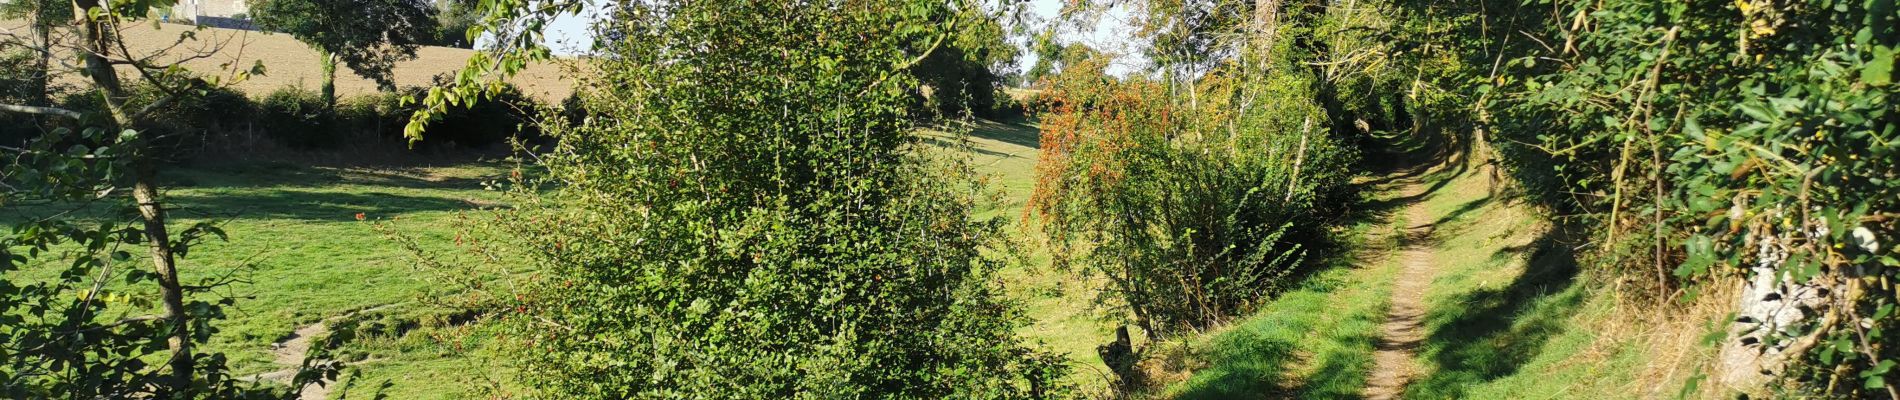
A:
[1488, 310]
[311, 258]
[300, 255]
[1060, 303]
[1507, 315]
[1314, 341]
[1510, 315]
[303, 256]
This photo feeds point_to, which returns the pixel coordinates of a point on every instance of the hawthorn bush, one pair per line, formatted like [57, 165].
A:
[745, 212]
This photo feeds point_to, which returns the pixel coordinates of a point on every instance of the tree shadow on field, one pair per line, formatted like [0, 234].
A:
[1343, 376]
[1491, 333]
[1019, 132]
[1463, 209]
[965, 146]
[1250, 367]
[1429, 156]
[311, 206]
[244, 175]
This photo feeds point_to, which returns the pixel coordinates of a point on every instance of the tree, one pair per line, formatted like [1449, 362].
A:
[42, 17]
[59, 337]
[369, 36]
[1048, 53]
[964, 74]
[453, 22]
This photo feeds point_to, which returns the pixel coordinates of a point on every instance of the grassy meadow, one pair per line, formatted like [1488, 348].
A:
[1506, 316]
[303, 256]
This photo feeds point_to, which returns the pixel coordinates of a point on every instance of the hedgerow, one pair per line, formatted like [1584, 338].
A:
[1712, 141]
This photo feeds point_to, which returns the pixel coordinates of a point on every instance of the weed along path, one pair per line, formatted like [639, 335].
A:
[1403, 329]
[290, 352]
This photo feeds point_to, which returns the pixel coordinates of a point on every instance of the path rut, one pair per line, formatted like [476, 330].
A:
[1403, 329]
[289, 354]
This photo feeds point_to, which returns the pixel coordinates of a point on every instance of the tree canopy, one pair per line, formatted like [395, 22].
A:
[369, 36]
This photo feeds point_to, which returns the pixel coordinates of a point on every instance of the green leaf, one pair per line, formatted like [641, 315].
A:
[1879, 71]
[1757, 111]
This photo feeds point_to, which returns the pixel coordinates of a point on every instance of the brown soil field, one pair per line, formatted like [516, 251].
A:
[217, 52]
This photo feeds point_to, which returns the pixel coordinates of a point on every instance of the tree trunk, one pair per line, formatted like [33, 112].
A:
[1293, 184]
[44, 30]
[1266, 24]
[329, 76]
[145, 191]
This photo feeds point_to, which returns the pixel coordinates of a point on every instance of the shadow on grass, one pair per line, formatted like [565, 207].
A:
[965, 146]
[1491, 333]
[1463, 209]
[310, 206]
[1020, 132]
[1408, 158]
[1247, 364]
[283, 174]
[1255, 359]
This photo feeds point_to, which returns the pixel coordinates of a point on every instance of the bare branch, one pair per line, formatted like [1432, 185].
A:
[61, 112]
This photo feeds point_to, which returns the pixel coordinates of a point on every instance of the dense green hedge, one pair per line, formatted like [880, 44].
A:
[298, 118]
[1710, 140]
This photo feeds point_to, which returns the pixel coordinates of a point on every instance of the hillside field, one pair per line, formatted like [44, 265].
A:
[223, 52]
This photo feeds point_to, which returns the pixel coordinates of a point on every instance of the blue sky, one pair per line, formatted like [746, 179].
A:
[1111, 33]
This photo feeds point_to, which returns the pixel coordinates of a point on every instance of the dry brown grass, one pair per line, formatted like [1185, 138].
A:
[216, 52]
[1671, 340]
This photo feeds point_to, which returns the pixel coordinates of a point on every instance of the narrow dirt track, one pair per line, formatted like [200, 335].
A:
[1403, 329]
[289, 354]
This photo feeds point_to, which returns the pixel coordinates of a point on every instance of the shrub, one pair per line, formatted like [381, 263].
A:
[298, 118]
[759, 221]
[180, 126]
[1006, 106]
[1195, 211]
[574, 109]
[17, 86]
[376, 115]
[188, 121]
[509, 115]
